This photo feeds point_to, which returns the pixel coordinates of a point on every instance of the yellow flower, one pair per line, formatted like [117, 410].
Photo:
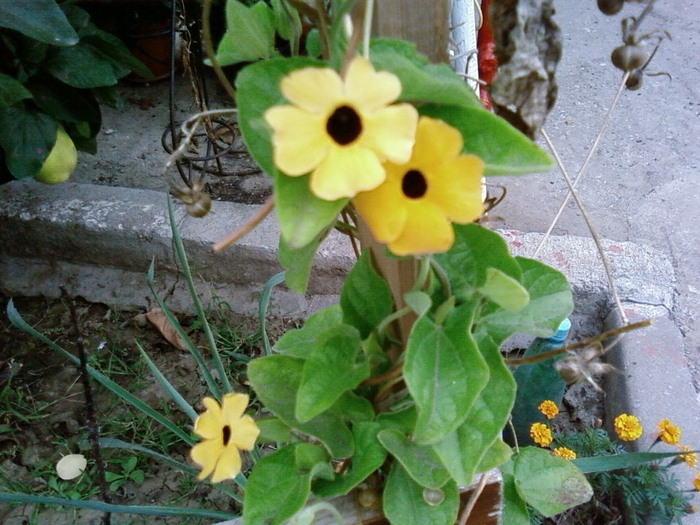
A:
[564, 452]
[548, 408]
[225, 431]
[628, 427]
[341, 129]
[696, 482]
[668, 432]
[690, 459]
[541, 434]
[412, 210]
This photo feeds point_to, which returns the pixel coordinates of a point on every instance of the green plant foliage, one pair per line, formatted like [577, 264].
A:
[41, 20]
[420, 461]
[299, 342]
[505, 291]
[250, 34]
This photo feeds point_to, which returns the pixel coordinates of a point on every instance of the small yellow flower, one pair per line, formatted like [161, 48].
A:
[564, 452]
[690, 459]
[412, 210]
[628, 427]
[668, 432]
[696, 482]
[548, 408]
[341, 129]
[225, 431]
[541, 434]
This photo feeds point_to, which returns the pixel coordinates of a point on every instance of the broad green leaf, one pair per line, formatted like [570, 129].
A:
[402, 420]
[11, 90]
[549, 483]
[80, 66]
[420, 461]
[278, 486]
[419, 302]
[475, 250]
[421, 81]
[444, 372]
[505, 291]
[116, 51]
[354, 408]
[463, 450]
[313, 460]
[66, 103]
[313, 43]
[299, 342]
[42, 20]
[504, 150]
[273, 429]
[375, 354]
[622, 461]
[297, 262]
[495, 456]
[404, 503]
[287, 21]
[369, 456]
[250, 34]
[365, 296]
[514, 507]
[336, 364]
[276, 380]
[27, 136]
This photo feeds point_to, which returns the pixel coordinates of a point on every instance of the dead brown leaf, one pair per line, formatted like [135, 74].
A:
[158, 319]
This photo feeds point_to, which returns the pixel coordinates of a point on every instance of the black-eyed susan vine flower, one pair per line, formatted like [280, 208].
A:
[548, 408]
[691, 459]
[413, 210]
[668, 432]
[341, 129]
[627, 427]
[225, 431]
[541, 434]
[564, 452]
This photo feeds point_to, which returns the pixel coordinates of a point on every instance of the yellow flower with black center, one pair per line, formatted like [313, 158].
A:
[627, 427]
[668, 432]
[564, 452]
[548, 408]
[541, 434]
[413, 210]
[341, 129]
[225, 431]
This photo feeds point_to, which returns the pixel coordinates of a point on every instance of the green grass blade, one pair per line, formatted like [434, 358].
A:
[191, 348]
[263, 305]
[8, 497]
[179, 247]
[16, 319]
[167, 386]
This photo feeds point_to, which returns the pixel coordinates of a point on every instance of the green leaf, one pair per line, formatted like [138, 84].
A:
[549, 483]
[272, 429]
[505, 291]
[463, 450]
[514, 507]
[495, 456]
[365, 297]
[419, 302]
[42, 20]
[66, 103]
[250, 34]
[504, 150]
[402, 420]
[369, 456]
[80, 66]
[444, 372]
[278, 486]
[622, 461]
[336, 364]
[27, 136]
[313, 460]
[313, 43]
[276, 380]
[299, 342]
[116, 52]
[287, 21]
[420, 461]
[11, 90]
[351, 407]
[421, 81]
[475, 250]
[404, 503]
[297, 262]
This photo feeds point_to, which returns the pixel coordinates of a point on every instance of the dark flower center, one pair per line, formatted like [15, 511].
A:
[414, 184]
[227, 434]
[344, 125]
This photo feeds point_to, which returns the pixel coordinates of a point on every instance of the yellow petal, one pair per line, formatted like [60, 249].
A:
[345, 172]
[456, 188]
[244, 433]
[436, 143]
[383, 210]
[317, 90]
[233, 406]
[427, 230]
[206, 454]
[368, 89]
[300, 139]
[391, 132]
[229, 465]
[209, 423]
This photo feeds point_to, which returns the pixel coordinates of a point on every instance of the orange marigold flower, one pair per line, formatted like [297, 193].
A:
[696, 482]
[541, 434]
[628, 427]
[548, 408]
[564, 452]
[690, 459]
[668, 432]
